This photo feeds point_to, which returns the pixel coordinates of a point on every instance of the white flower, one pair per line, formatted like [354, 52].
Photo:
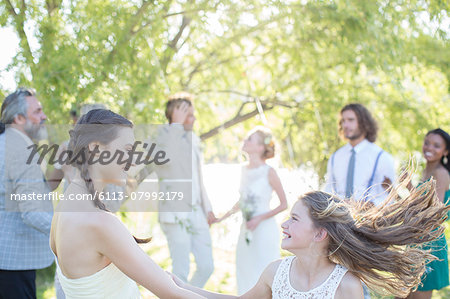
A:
[247, 204]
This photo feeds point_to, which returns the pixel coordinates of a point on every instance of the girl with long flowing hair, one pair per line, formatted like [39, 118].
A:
[337, 244]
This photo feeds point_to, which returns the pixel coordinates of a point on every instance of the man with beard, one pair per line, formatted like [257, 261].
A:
[360, 169]
[24, 224]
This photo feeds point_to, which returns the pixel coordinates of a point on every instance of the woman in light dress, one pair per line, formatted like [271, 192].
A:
[96, 255]
[336, 244]
[259, 238]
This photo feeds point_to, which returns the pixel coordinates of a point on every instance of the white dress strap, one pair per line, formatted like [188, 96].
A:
[279, 284]
[335, 279]
[282, 288]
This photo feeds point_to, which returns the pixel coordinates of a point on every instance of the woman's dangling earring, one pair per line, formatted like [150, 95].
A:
[445, 160]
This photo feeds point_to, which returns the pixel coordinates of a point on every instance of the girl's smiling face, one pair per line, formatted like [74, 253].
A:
[299, 230]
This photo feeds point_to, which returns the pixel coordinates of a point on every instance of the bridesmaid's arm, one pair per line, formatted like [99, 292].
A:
[232, 211]
[275, 183]
[442, 182]
[262, 289]
[115, 242]
[201, 292]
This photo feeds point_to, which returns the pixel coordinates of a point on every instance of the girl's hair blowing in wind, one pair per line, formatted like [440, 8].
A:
[381, 245]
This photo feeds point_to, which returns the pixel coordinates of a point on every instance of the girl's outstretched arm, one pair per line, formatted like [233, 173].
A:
[262, 289]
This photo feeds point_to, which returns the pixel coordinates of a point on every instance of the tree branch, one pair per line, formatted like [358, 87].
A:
[238, 118]
[19, 20]
[198, 67]
[165, 8]
[51, 6]
[235, 120]
[11, 7]
[125, 37]
[184, 23]
[172, 46]
[227, 91]
[184, 12]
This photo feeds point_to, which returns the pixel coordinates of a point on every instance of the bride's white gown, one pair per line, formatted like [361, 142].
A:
[108, 283]
[264, 247]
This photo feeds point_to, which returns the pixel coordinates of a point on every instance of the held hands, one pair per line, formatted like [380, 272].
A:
[233, 210]
[176, 280]
[211, 218]
[220, 219]
[180, 113]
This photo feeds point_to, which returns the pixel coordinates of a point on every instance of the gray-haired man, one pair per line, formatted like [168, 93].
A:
[24, 224]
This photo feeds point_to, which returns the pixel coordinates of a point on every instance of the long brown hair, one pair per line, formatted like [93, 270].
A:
[381, 245]
[366, 123]
[98, 125]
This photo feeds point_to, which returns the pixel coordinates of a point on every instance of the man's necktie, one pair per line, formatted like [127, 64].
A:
[350, 173]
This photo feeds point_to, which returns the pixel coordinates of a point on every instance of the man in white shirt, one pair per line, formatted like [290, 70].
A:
[360, 169]
[185, 223]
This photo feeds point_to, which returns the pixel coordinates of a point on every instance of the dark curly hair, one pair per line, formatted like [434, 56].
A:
[366, 123]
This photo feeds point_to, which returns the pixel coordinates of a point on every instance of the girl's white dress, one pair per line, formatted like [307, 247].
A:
[282, 288]
[264, 247]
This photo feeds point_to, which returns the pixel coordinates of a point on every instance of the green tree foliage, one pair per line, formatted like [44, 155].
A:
[303, 60]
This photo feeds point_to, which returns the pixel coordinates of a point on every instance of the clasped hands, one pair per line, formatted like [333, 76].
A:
[252, 224]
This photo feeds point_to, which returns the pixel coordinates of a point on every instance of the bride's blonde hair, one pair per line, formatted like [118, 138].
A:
[381, 245]
[267, 140]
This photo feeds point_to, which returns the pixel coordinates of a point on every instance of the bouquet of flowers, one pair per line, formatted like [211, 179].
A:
[247, 204]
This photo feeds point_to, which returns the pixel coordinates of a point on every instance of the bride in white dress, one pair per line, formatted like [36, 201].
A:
[96, 255]
[259, 238]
